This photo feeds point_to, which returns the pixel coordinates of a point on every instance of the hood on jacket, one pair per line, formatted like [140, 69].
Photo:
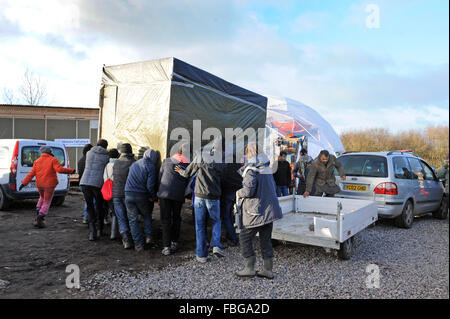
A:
[99, 150]
[151, 155]
[259, 163]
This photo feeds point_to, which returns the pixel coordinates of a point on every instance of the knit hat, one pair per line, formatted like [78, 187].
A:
[126, 148]
[113, 153]
[46, 149]
[87, 148]
[142, 151]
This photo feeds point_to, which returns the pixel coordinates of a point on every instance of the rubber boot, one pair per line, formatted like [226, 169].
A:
[249, 268]
[113, 227]
[267, 269]
[92, 231]
[100, 228]
[126, 241]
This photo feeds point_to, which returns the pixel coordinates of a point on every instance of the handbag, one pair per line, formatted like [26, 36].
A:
[107, 189]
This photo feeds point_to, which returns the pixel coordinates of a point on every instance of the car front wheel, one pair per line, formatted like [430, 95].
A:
[442, 212]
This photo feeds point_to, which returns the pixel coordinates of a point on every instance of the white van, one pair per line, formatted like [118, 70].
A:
[16, 161]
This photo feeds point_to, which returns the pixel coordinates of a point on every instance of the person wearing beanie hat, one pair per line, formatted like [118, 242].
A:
[120, 174]
[45, 168]
[142, 151]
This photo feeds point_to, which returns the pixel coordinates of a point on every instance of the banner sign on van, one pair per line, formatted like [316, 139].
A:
[80, 142]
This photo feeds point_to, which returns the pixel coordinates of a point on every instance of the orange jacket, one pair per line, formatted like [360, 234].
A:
[45, 169]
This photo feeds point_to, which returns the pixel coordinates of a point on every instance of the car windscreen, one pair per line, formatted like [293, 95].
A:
[364, 165]
[31, 153]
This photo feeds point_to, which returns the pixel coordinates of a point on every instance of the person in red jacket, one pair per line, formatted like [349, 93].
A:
[45, 169]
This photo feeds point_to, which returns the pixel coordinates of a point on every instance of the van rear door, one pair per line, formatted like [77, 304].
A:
[28, 153]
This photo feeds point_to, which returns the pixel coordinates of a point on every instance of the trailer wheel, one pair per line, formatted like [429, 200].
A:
[346, 249]
[3, 200]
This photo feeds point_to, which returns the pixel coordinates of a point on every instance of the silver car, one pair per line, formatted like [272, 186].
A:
[403, 184]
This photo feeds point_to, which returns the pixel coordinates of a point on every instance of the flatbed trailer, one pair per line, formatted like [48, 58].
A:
[327, 222]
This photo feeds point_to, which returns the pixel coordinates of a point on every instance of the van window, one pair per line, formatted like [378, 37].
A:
[31, 153]
[417, 169]
[364, 165]
[402, 169]
[5, 162]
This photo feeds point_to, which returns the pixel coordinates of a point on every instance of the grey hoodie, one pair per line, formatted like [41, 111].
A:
[96, 160]
[260, 205]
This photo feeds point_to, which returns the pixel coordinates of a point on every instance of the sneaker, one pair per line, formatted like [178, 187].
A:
[217, 251]
[201, 260]
[166, 251]
[85, 220]
[139, 250]
[174, 246]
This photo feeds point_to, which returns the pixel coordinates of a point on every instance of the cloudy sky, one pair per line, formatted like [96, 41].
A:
[376, 63]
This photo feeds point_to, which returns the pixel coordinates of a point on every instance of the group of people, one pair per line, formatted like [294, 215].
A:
[136, 185]
[315, 177]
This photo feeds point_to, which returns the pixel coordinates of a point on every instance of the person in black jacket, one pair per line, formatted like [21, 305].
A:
[120, 173]
[81, 165]
[231, 183]
[171, 198]
[282, 176]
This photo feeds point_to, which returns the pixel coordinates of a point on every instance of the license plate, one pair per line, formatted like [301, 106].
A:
[356, 188]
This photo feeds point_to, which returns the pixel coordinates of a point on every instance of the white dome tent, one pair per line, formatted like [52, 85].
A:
[287, 117]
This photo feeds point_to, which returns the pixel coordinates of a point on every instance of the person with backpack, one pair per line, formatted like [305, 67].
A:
[45, 168]
[140, 195]
[120, 174]
[171, 198]
[260, 208]
[91, 184]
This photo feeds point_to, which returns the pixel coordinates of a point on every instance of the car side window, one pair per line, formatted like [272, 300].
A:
[429, 174]
[417, 169]
[402, 169]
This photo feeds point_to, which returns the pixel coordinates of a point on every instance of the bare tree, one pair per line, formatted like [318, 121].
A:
[8, 96]
[33, 89]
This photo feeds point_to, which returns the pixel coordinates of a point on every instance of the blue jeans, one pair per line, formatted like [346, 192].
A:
[226, 211]
[121, 213]
[138, 203]
[282, 191]
[202, 207]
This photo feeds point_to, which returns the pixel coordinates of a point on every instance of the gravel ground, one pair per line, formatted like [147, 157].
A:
[413, 263]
